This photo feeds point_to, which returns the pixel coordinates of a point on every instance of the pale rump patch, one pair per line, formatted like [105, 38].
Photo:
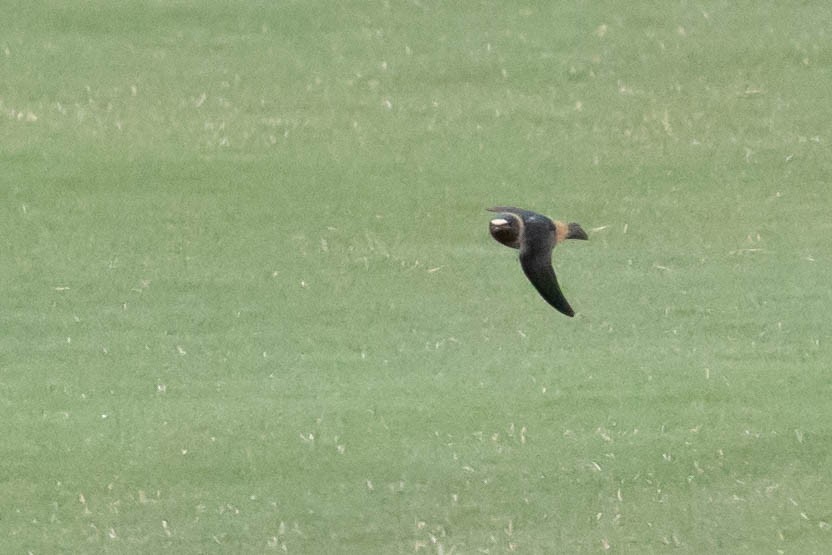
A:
[499, 221]
[561, 229]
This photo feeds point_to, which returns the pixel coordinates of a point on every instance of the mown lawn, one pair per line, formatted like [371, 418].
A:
[251, 304]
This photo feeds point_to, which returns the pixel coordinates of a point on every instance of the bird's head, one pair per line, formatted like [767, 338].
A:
[507, 229]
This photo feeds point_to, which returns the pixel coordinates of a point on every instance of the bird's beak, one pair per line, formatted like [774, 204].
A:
[575, 231]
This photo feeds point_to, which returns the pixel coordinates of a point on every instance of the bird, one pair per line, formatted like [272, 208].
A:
[535, 235]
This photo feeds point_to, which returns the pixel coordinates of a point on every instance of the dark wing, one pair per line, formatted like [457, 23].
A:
[537, 265]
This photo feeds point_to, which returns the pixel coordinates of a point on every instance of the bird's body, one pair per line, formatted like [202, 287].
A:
[535, 235]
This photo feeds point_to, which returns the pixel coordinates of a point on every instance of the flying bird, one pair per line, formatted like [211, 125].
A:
[535, 236]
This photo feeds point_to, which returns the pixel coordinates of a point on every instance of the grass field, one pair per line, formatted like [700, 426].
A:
[251, 304]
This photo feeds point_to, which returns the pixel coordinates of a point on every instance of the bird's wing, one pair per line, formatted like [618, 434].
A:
[537, 265]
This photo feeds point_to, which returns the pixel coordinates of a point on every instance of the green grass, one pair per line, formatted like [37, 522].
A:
[250, 302]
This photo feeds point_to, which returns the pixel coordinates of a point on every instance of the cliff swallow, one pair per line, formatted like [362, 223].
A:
[535, 236]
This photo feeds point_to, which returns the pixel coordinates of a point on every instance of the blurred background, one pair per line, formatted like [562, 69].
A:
[251, 303]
